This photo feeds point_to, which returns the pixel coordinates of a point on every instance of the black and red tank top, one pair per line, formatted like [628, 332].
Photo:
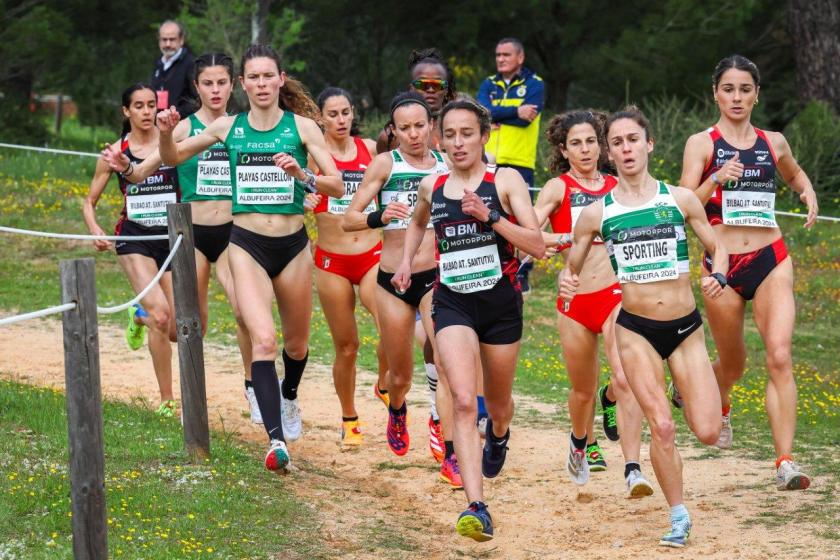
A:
[351, 173]
[575, 199]
[144, 203]
[751, 200]
[471, 255]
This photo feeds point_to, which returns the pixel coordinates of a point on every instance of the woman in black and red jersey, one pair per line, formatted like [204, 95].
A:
[143, 213]
[579, 154]
[480, 217]
[344, 259]
[732, 168]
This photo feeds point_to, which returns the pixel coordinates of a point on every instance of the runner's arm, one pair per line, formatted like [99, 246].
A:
[525, 234]
[329, 181]
[695, 216]
[175, 153]
[375, 176]
[101, 175]
[697, 147]
[550, 197]
[795, 176]
[415, 232]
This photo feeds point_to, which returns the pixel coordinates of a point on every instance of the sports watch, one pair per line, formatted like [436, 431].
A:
[309, 182]
[493, 217]
[721, 279]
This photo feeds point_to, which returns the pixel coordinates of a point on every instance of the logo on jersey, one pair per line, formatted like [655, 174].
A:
[721, 153]
[238, 132]
[362, 166]
[521, 91]
[449, 231]
[325, 262]
[198, 131]
[443, 245]
[133, 189]
[244, 159]
[622, 235]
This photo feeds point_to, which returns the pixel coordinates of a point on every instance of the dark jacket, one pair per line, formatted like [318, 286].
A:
[178, 81]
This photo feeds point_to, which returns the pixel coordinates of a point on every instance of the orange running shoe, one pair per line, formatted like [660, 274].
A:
[436, 445]
[397, 431]
[382, 396]
[449, 472]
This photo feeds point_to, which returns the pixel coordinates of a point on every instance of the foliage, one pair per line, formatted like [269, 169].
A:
[814, 137]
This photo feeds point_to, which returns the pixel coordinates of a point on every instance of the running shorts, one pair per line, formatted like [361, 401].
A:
[271, 253]
[157, 249]
[212, 240]
[352, 267]
[592, 310]
[748, 270]
[421, 283]
[664, 336]
[495, 314]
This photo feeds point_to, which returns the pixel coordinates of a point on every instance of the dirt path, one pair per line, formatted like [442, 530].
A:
[373, 504]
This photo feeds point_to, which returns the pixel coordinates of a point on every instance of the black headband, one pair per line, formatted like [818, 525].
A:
[408, 101]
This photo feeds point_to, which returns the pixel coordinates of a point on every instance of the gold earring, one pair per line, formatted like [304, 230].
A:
[756, 102]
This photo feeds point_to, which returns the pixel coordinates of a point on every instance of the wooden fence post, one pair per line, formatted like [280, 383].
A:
[190, 343]
[84, 411]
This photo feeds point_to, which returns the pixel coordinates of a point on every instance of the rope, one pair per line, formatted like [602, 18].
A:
[84, 237]
[804, 216]
[147, 289]
[35, 314]
[48, 150]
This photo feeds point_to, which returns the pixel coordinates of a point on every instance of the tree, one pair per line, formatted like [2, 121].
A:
[815, 30]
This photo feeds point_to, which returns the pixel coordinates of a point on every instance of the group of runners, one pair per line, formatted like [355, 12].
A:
[453, 230]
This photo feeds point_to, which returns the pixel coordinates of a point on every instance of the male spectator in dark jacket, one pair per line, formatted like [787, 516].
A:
[172, 79]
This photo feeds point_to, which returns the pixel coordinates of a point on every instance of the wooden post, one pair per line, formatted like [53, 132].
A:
[188, 324]
[59, 111]
[84, 411]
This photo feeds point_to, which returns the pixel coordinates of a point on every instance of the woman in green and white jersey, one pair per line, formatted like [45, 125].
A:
[642, 222]
[268, 253]
[393, 178]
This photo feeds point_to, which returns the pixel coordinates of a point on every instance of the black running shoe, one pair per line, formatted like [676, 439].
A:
[495, 451]
[608, 407]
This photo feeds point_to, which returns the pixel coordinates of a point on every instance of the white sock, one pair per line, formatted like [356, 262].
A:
[432, 380]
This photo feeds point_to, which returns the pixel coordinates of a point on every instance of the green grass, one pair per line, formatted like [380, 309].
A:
[159, 505]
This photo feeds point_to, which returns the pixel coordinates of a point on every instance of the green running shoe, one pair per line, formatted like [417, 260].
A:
[609, 408]
[166, 409]
[595, 457]
[135, 334]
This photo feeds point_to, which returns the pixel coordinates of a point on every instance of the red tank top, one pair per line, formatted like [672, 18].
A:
[575, 199]
[351, 173]
[144, 203]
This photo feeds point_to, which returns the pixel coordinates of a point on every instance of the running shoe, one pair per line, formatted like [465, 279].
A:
[680, 529]
[475, 523]
[397, 431]
[290, 417]
[481, 424]
[135, 333]
[449, 472]
[166, 409]
[577, 465]
[790, 477]
[637, 485]
[609, 409]
[495, 452]
[595, 458]
[382, 396]
[674, 395]
[725, 438]
[436, 444]
[256, 415]
[277, 457]
[351, 434]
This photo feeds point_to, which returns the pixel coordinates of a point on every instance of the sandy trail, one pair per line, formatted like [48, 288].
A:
[374, 504]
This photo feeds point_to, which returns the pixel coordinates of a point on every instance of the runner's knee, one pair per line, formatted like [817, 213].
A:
[707, 430]
[779, 362]
[663, 431]
[264, 344]
[295, 348]
[347, 349]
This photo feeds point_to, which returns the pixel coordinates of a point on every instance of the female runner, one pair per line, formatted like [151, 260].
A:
[579, 152]
[732, 169]
[642, 222]
[343, 260]
[268, 253]
[143, 213]
[479, 218]
[205, 184]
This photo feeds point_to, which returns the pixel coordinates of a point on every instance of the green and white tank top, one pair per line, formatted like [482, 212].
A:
[205, 176]
[257, 184]
[646, 243]
[402, 184]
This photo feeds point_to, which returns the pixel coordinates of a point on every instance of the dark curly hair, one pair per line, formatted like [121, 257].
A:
[558, 130]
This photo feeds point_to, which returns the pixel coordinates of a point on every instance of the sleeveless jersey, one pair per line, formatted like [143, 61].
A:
[575, 199]
[646, 243]
[144, 203]
[257, 184]
[205, 176]
[351, 174]
[750, 201]
[472, 256]
[402, 184]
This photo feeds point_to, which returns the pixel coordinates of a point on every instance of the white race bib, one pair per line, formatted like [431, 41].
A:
[149, 209]
[259, 181]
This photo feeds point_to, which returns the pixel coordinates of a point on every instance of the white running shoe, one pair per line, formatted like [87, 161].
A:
[256, 415]
[277, 457]
[482, 427]
[725, 439]
[790, 477]
[637, 485]
[290, 417]
[577, 466]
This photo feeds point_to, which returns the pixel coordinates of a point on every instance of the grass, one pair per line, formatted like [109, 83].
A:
[159, 505]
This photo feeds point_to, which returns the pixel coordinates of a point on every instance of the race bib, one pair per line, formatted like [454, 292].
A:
[259, 181]
[149, 209]
[646, 254]
[409, 198]
[213, 173]
[749, 203]
[469, 258]
[352, 179]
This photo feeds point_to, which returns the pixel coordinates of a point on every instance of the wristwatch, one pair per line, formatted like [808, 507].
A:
[493, 217]
[721, 279]
[309, 181]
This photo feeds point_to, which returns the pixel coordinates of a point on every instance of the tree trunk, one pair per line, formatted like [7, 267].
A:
[259, 19]
[814, 26]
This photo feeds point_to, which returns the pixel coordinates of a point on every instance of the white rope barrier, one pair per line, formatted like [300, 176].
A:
[804, 216]
[147, 289]
[35, 314]
[84, 237]
[48, 150]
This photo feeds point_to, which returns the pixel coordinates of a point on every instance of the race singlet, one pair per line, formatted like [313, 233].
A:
[402, 184]
[352, 179]
[749, 202]
[259, 181]
[469, 257]
[145, 202]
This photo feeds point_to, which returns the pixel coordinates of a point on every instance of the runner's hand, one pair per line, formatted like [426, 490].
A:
[290, 165]
[809, 198]
[569, 284]
[550, 252]
[311, 200]
[402, 278]
[732, 170]
[167, 120]
[711, 287]
[395, 210]
[472, 205]
[100, 244]
[116, 159]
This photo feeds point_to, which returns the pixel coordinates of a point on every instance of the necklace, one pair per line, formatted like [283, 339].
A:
[597, 181]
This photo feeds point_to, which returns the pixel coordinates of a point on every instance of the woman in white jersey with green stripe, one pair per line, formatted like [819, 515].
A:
[269, 248]
[642, 222]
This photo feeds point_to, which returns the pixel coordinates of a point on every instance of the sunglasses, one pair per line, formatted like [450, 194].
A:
[422, 84]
